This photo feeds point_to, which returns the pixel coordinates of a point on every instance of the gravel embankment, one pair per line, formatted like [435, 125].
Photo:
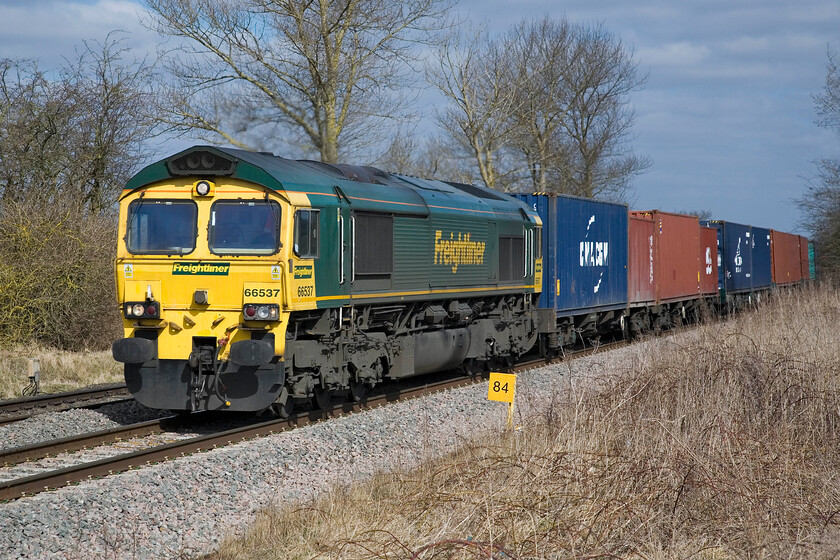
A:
[183, 507]
[57, 425]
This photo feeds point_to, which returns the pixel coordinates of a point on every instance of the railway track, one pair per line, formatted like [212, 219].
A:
[14, 410]
[29, 485]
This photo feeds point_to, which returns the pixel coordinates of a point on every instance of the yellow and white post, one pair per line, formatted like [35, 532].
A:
[502, 388]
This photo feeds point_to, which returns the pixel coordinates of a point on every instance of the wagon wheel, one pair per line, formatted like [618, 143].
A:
[357, 391]
[284, 405]
[321, 398]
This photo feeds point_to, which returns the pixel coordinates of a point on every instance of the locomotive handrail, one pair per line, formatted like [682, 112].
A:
[287, 295]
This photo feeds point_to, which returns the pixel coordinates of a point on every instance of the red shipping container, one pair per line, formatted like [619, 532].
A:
[708, 261]
[640, 281]
[804, 262]
[676, 255]
[785, 258]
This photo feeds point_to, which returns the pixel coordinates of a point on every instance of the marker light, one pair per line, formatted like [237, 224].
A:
[142, 310]
[261, 312]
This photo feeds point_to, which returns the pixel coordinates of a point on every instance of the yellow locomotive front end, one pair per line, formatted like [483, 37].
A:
[202, 284]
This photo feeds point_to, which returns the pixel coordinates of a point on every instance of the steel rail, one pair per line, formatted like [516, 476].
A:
[36, 451]
[60, 401]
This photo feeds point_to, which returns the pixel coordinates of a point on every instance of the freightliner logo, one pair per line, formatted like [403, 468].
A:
[200, 269]
[455, 251]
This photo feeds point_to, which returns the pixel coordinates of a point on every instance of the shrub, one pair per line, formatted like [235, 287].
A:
[56, 276]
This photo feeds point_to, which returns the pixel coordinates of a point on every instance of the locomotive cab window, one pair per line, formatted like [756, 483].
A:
[244, 227]
[306, 233]
[161, 227]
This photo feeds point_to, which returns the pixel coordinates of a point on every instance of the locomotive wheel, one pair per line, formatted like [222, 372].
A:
[284, 405]
[357, 391]
[321, 398]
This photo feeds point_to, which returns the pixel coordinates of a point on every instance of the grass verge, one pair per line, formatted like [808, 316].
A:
[60, 370]
[722, 446]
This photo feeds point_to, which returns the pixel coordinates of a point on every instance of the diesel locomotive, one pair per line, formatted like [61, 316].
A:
[248, 281]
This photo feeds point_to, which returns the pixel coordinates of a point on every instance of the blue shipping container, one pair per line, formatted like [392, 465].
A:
[585, 244]
[744, 262]
[762, 273]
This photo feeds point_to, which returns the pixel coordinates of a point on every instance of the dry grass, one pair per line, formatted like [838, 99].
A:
[725, 447]
[60, 370]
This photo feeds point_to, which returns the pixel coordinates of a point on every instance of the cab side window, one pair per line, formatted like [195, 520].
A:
[307, 233]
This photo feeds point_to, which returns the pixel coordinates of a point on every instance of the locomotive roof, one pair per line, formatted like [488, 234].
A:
[368, 187]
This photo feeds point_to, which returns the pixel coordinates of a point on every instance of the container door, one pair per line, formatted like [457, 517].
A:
[761, 259]
[640, 261]
[708, 261]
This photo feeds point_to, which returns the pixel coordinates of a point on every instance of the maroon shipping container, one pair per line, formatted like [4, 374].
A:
[676, 255]
[640, 261]
[708, 261]
[804, 263]
[785, 258]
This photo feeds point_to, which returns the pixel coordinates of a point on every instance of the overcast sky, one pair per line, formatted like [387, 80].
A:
[726, 116]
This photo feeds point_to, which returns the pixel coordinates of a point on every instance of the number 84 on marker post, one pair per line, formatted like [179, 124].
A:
[502, 387]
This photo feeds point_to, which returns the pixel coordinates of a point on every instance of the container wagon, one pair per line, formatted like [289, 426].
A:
[786, 258]
[744, 262]
[671, 269]
[585, 251]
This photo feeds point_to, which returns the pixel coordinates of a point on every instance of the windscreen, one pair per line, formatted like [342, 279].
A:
[161, 227]
[245, 227]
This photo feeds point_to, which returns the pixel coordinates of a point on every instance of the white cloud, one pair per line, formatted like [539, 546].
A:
[673, 54]
[51, 30]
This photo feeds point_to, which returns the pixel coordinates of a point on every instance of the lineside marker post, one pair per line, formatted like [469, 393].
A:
[502, 388]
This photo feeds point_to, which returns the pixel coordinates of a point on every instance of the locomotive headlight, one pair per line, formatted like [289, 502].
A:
[137, 309]
[203, 188]
[263, 313]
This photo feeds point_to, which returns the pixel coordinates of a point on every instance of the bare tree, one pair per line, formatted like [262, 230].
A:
[77, 138]
[702, 215]
[538, 56]
[473, 74]
[429, 158]
[828, 102]
[321, 75]
[545, 106]
[821, 203]
[600, 76]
